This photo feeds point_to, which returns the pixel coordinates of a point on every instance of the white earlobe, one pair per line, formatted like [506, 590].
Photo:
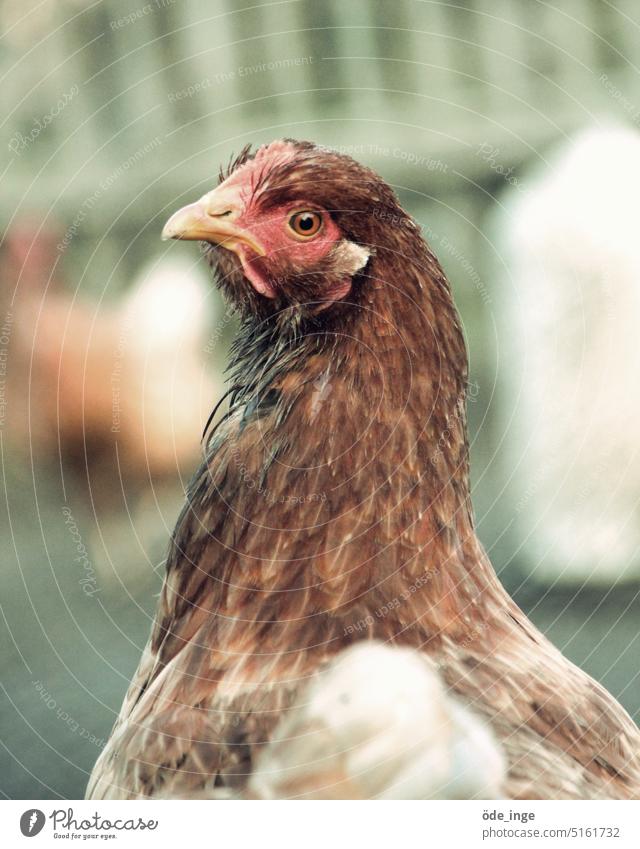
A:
[350, 258]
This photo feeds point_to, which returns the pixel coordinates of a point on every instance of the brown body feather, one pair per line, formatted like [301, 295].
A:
[333, 506]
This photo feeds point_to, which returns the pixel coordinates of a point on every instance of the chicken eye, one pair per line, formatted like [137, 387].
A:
[306, 223]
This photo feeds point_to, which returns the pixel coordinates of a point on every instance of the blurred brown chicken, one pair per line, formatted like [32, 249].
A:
[333, 506]
[87, 378]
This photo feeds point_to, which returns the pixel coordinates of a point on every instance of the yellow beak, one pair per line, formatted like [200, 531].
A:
[212, 219]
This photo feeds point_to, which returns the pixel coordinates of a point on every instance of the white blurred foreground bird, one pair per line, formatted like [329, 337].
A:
[377, 723]
[571, 347]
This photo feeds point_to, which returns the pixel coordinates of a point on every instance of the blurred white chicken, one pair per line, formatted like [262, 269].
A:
[168, 390]
[378, 723]
[570, 354]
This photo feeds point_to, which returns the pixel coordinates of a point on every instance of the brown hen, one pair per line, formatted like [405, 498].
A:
[333, 506]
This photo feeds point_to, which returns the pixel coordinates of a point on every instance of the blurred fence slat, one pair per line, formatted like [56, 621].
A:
[204, 77]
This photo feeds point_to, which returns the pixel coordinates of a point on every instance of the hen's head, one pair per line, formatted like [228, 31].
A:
[292, 224]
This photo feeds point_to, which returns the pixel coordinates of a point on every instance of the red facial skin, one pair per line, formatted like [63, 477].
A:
[271, 230]
[270, 227]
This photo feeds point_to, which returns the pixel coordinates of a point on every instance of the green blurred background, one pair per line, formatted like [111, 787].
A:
[115, 113]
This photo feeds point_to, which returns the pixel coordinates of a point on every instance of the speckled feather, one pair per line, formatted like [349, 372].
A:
[313, 524]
